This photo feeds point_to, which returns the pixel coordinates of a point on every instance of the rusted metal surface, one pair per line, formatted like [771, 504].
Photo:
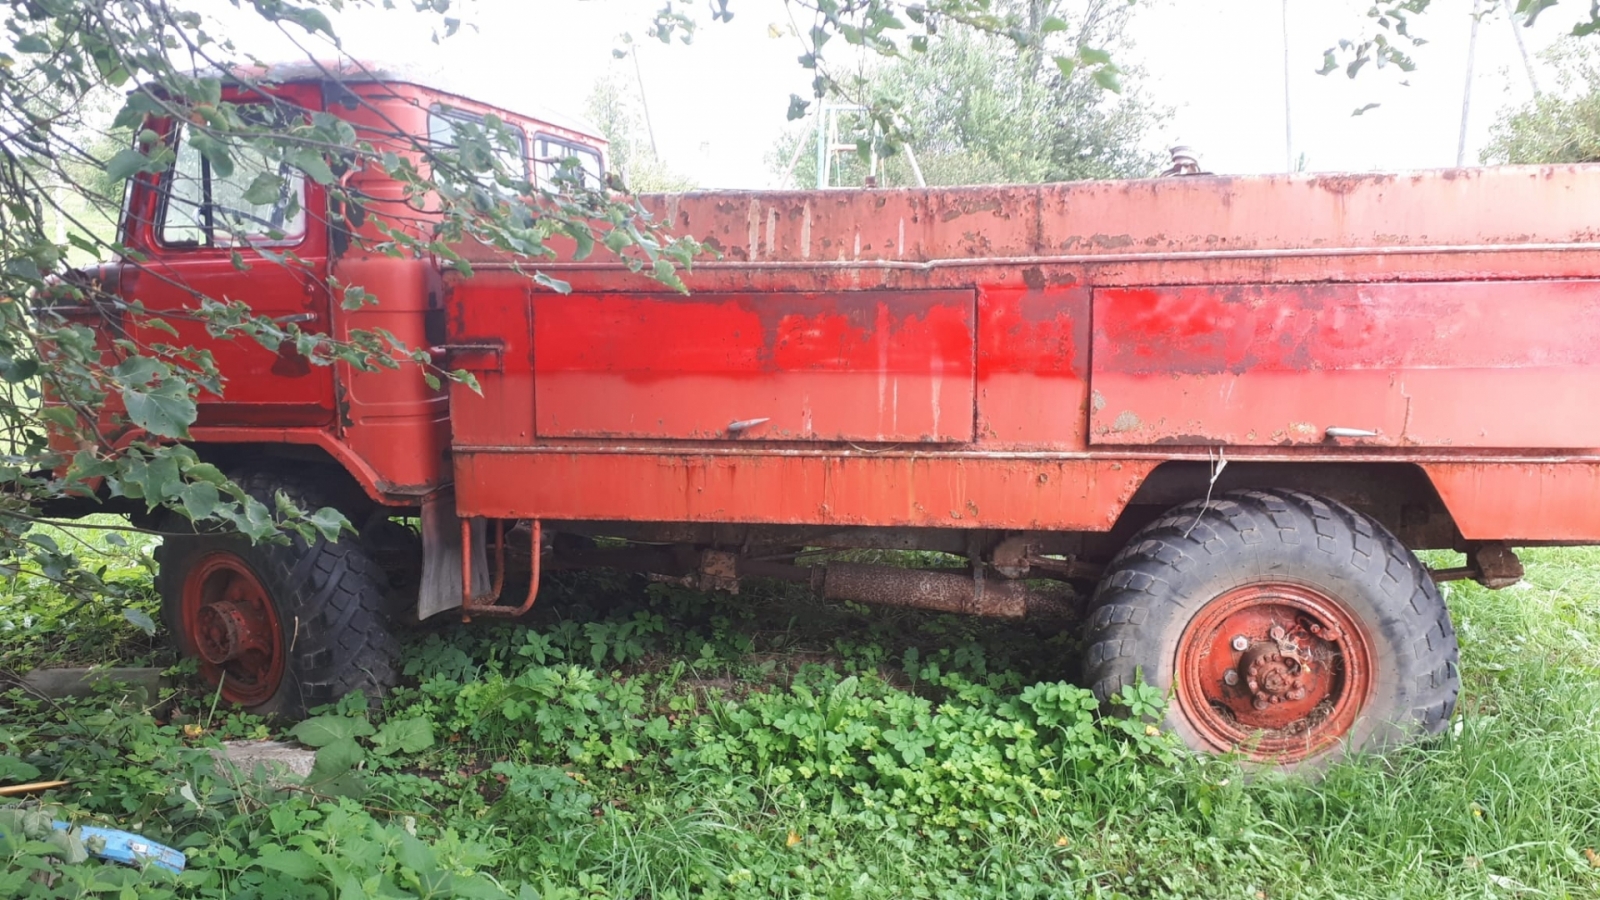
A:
[486, 605]
[951, 592]
[1438, 318]
[1493, 565]
[866, 489]
[1277, 670]
[1433, 364]
[231, 623]
[1527, 500]
[854, 366]
[1497, 565]
[1504, 205]
[1033, 367]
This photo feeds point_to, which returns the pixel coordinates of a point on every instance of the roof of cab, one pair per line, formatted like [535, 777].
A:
[359, 72]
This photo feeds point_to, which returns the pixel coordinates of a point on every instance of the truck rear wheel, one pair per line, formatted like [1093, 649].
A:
[1287, 627]
[282, 628]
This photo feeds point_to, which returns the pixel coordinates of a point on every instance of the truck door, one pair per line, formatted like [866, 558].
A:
[865, 366]
[206, 239]
[1491, 364]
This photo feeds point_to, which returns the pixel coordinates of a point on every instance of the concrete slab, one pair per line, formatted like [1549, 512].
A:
[280, 759]
[81, 682]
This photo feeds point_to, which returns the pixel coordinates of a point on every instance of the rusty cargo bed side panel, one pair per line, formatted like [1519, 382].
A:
[1433, 364]
[873, 366]
[1381, 300]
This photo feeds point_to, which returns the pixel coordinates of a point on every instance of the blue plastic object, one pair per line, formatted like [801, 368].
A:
[126, 848]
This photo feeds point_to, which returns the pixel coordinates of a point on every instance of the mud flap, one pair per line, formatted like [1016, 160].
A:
[441, 557]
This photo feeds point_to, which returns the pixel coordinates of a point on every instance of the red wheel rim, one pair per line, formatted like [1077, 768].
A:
[230, 622]
[1275, 670]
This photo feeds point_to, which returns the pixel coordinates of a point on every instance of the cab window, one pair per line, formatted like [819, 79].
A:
[483, 146]
[552, 155]
[206, 206]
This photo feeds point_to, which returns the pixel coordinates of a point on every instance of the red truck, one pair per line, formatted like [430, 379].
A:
[1230, 408]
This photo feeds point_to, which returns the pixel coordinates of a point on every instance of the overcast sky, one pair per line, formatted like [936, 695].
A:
[719, 104]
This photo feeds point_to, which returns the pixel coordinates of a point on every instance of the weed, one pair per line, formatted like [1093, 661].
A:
[644, 741]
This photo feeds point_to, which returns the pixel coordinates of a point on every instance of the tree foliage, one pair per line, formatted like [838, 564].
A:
[98, 390]
[1391, 31]
[1559, 127]
[617, 109]
[981, 108]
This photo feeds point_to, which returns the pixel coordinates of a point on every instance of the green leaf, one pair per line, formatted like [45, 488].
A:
[20, 370]
[125, 164]
[165, 410]
[205, 472]
[32, 43]
[140, 620]
[296, 864]
[215, 152]
[1067, 65]
[199, 499]
[13, 770]
[1092, 57]
[264, 189]
[554, 284]
[414, 854]
[1052, 25]
[311, 162]
[403, 736]
[1109, 79]
[329, 522]
[477, 887]
[325, 730]
[335, 761]
[60, 416]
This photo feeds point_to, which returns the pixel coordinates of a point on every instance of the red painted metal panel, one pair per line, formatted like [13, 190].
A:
[857, 366]
[493, 307]
[1033, 367]
[799, 488]
[391, 418]
[1454, 364]
[1521, 501]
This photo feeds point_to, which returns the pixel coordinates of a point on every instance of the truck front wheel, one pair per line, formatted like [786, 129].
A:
[281, 628]
[1285, 627]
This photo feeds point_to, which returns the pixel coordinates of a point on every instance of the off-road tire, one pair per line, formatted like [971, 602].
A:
[331, 601]
[1191, 555]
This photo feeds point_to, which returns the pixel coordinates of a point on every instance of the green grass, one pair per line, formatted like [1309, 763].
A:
[650, 742]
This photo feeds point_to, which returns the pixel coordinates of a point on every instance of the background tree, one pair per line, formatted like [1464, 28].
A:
[616, 108]
[978, 107]
[1558, 127]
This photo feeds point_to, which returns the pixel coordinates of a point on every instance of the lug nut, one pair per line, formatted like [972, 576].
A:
[1297, 694]
[1261, 703]
[1276, 632]
[1241, 643]
[1230, 678]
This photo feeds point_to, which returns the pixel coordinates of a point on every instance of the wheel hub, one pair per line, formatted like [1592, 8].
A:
[230, 620]
[220, 637]
[1277, 670]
